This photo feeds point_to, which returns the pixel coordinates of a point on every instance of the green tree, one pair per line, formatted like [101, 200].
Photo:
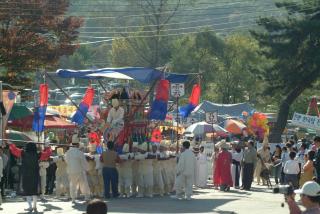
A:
[34, 34]
[293, 44]
[228, 65]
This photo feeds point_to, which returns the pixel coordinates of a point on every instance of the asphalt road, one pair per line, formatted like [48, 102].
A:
[260, 200]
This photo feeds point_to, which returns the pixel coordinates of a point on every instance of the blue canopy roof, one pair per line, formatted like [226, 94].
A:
[144, 75]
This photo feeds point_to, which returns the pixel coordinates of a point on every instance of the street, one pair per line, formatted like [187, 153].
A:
[259, 201]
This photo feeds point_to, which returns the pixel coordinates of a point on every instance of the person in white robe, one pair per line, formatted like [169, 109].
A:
[125, 172]
[145, 183]
[185, 172]
[77, 167]
[202, 169]
[158, 186]
[62, 181]
[237, 155]
[135, 168]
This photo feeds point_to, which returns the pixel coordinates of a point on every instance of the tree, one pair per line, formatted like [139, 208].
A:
[149, 48]
[34, 34]
[293, 44]
[228, 65]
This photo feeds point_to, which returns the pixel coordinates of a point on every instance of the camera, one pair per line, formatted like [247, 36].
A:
[284, 189]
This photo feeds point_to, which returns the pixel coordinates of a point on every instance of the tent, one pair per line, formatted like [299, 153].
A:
[202, 128]
[234, 126]
[233, 110]
[143, 75]
[51, 122]
[19, 111]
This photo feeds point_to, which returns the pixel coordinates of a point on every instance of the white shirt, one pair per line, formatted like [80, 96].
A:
[115, 116]
[237, 156]
[76, 161]
[187, 163]
[291, 167]
[284, 158]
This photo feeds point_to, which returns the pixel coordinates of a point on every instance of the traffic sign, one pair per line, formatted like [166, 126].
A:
[177, 89]
[211, 117]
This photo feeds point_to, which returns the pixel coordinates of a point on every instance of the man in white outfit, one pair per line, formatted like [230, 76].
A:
[202, 169]
[43, 165]
[146, 176]
[77, 166]
[158, 186]
[125, 172]
[185, 172]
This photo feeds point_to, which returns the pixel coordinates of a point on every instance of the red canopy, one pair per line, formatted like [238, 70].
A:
[51, 122]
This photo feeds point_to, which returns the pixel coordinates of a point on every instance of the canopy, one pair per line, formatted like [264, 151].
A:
[234, 126]
[234, 110]
[16, 135]
[51, 122]
[144, 75]
[203, 128]
[19, 111]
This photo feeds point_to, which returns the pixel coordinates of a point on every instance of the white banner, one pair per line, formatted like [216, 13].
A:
[307, 121]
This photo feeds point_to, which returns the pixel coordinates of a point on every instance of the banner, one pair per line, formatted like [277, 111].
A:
[8, 98]
[306, 121]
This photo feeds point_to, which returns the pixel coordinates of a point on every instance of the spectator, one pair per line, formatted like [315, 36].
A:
[276, 159]
[97, 206]
[110, 173]
[316, 142]
[307, 169]
[284, 159]
[291, 170]
[310, 199]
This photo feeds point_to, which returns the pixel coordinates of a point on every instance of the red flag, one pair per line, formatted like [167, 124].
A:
[156, 136]
[43, 90]
[88, 97]
[195, 95]
[313, 106]
[162, 91]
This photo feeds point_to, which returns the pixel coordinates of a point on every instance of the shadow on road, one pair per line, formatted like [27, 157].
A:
[163, 205]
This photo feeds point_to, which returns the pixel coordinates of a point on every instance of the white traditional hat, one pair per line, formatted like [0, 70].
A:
[75, 139]
[115, 102]
[222, 144]
[125, 148]
[135, 144]
[143, 146]
[60, 152]
[92, 147]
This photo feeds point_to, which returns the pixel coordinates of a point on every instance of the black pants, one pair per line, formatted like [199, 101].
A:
[2, 182]
[247, 176]
[110, 175]
[51, 177]
[237, 172]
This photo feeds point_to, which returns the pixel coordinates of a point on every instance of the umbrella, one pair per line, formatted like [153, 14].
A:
[16, 135]
[201, 128]
[19, 111]
[234, 126]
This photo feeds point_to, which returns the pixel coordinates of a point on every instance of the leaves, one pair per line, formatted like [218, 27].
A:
[34, 34]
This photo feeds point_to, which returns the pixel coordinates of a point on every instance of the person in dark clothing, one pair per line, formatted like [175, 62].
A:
[30, 171]
[97, 206]
[51, 177]
[248, 162]
[316, 142]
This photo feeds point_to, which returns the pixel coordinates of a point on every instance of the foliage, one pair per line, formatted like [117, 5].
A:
[34, 34]
[293, 44]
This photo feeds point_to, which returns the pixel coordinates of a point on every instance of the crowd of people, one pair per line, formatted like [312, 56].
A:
[148, 170]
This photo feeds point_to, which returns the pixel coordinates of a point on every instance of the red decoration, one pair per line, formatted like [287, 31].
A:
[43, 91]
[162, 91]
[88, 97]
[195, 95]
[156, 136]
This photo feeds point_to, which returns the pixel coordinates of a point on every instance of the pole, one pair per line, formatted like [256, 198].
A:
[1, 117]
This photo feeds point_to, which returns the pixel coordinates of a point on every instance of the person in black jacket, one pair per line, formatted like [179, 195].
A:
[30, 171]
[316, 142]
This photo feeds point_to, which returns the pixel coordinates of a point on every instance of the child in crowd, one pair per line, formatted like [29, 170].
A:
[291, 170]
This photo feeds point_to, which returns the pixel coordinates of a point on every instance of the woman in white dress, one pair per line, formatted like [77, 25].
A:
[202, 167]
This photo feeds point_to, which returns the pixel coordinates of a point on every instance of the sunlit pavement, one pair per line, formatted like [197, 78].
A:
[260, 200]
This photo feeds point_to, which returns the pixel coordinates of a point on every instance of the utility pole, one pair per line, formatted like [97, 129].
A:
[1, 117]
